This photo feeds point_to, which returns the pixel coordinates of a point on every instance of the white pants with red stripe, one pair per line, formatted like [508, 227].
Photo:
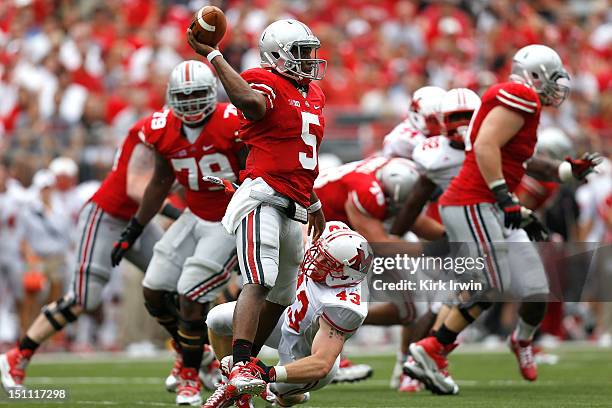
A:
[513, 265]
[194, 258]
[270, 250]
[97, 231]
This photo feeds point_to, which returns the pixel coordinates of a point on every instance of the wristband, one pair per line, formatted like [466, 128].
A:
[211, 55]
[281, 373]
[565, 172]
[314, 207]
[170, 211]
[496, 183]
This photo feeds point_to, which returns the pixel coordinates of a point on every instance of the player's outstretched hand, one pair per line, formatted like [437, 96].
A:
[200, 48]
[585, 165]
[128, 236]
[316, 224]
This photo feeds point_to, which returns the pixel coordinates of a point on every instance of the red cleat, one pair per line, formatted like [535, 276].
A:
[12, 368]
[221, 398]
[430, 365]
[173, 378]
[245, 378]
[189, 387]
[523, 350]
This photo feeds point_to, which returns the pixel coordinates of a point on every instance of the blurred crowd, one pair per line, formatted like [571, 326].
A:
[76, 74]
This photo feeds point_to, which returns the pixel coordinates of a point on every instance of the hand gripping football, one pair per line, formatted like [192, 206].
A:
[208, 25]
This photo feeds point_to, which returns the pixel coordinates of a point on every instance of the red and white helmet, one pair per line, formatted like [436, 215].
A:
[192, 91]
[423, 112]
[340, 258]
[398, 178]
[456, 110]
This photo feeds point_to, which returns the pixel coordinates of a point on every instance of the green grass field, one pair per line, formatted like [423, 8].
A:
[582, 378]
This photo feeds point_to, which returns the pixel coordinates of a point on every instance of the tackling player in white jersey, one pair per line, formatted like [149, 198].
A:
[421, 123]
[328, 309]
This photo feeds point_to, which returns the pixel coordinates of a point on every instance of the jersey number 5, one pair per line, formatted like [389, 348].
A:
[309, 162]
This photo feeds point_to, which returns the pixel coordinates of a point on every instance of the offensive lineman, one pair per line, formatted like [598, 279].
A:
[100, 220]
[311, 334]
[194, 137]
[283, 128]
[501, 137]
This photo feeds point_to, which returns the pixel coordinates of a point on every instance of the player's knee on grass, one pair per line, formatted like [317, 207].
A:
[219, 319]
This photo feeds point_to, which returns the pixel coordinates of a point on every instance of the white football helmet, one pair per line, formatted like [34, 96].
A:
[398, 178]
[285, 46]
[456, 110]
[554, 143]
[339, 258]
[192, 91]
[423, 112]
[540, 67]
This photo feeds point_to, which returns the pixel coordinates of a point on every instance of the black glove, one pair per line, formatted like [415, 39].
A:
[535, 229]
[585, 165]
[128, 236]
[509, 205]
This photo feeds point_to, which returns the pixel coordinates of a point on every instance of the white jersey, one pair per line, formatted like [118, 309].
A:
[402, 140]
[438, 160]
[343, 308]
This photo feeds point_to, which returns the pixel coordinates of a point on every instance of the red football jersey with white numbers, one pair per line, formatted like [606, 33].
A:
[284, 144]
[112, 195]
[469, 187]
[213, 153]
[356, 182]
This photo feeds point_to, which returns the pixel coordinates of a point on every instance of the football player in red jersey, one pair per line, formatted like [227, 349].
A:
[479, 205]
[365, 193]
[283, 128]
[108, 210]
[193, 138]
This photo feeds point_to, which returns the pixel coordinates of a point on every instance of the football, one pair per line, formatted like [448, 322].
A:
[209, 25]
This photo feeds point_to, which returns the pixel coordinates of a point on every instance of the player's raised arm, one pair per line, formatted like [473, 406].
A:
[251, 103]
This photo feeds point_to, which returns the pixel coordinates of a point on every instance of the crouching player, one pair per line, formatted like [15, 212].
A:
[310, 336]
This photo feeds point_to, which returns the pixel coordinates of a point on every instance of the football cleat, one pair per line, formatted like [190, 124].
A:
[396, 375]
[523, 350]
[349, 372]
[189, 387]
[173, 378]
[430, 365]
[210, 370]
[245, 378]
[12, 369]
[221, 398]
[407, 383]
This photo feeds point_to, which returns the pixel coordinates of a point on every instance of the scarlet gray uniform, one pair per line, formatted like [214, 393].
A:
[196, 255]
[100, 222]
[402, 140]
[468, 207]
[342, 308]
[282, 161]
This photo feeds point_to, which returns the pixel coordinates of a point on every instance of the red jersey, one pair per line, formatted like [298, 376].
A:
[540, 191]
[112, 195]
[356, 182]
[212, 153]
[284, 144]
[469, 187]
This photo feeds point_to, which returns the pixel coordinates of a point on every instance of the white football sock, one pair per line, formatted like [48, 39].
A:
[524, 331]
